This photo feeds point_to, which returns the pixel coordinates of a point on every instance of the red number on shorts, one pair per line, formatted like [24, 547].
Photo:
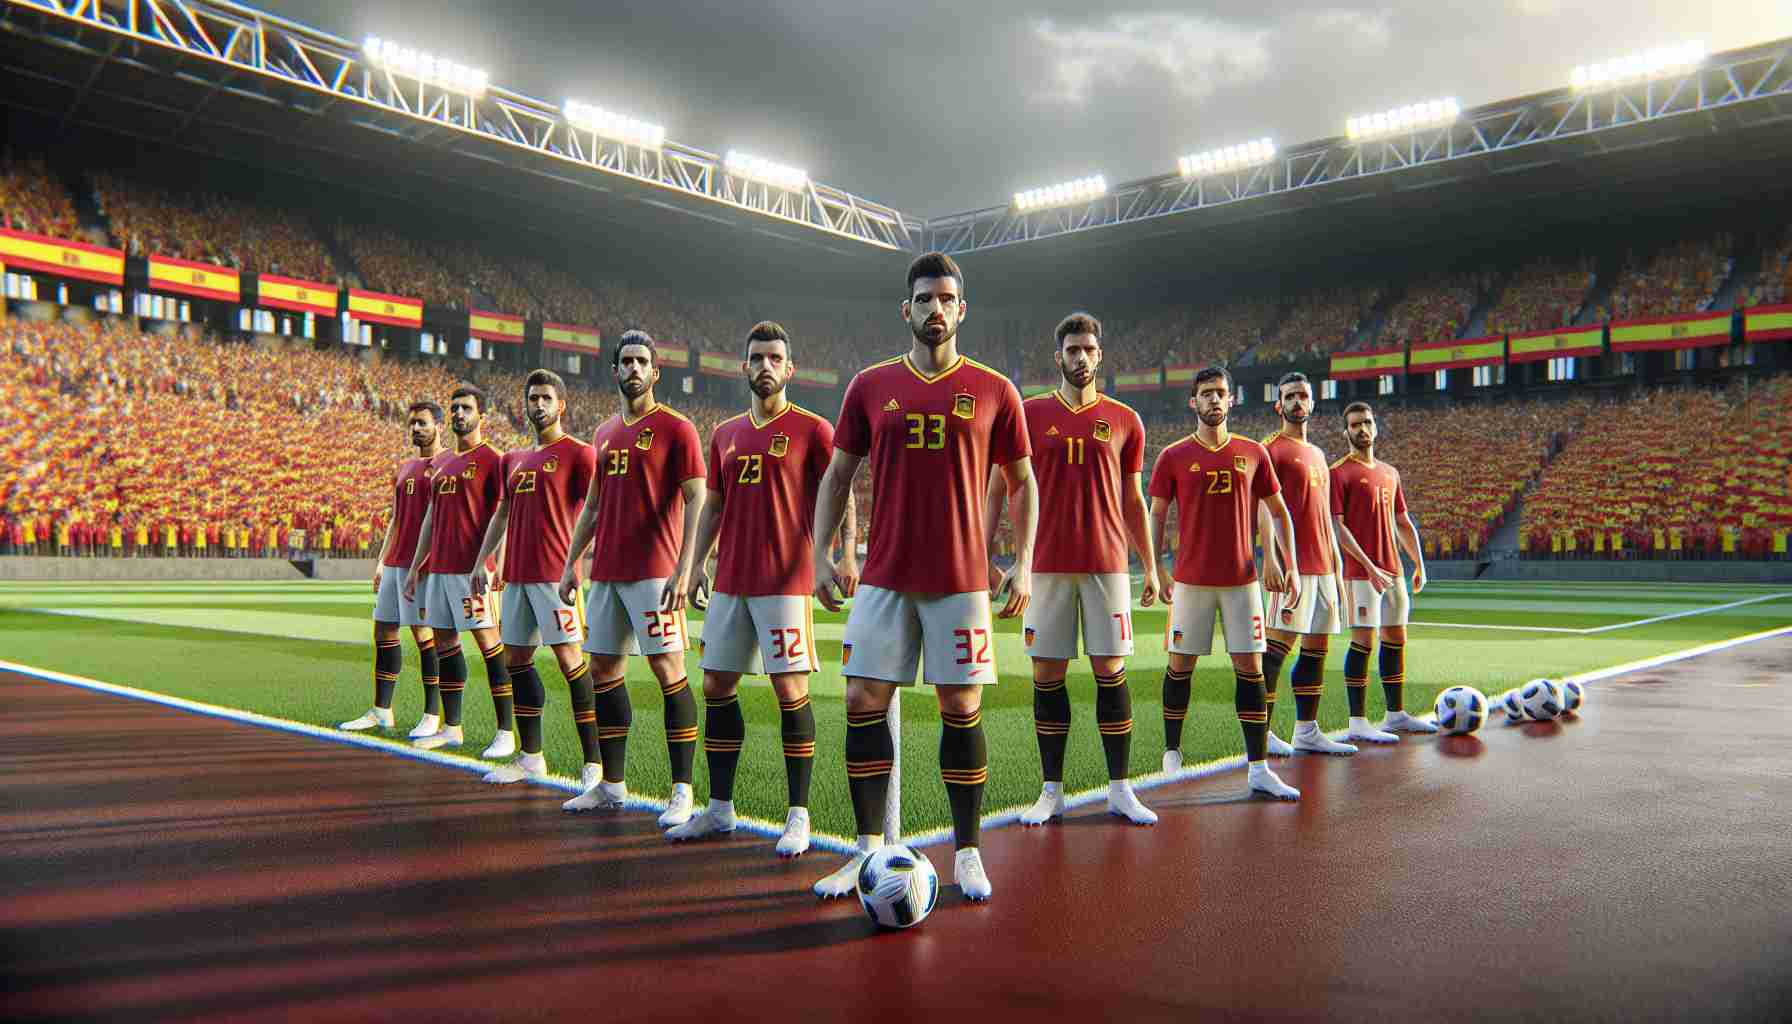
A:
[1125, 625]
[473, 608]
[567, 621]
[654, 629]
[973, 646]
[1256, 627]
[787, 644]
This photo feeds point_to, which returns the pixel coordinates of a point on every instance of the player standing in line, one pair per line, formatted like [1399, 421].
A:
[1089, 453]
[765, 466]
[543, 488]
[644, 501]
[1369, 511]
[468, 487]
[1216, 478]
[933, 424]
[410, 502]
[1312, 615]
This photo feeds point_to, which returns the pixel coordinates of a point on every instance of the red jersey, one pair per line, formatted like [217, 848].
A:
[544, 488]
[1216, 491]
[1368, 497]
[1083, 458]
[467, 488]
[640, 506]
[410, 500]
[1306, 487]
[932, 441]
[766, 476]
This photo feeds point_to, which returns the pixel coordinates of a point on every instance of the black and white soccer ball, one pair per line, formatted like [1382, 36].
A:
[898, 887]
[1461, 710]
[1542, 699]
[1573, 696]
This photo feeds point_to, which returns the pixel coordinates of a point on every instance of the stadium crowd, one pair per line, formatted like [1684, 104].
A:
[1436, 307]
[1774, 280]
[1539, 296]
[151, 221]
[31, 199]
[1680, 278]
[1321, 321]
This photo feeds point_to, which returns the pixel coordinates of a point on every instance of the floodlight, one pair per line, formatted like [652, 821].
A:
[424, 67]
[1411, 117]
[744, 165]
[1228, 158]
[1633, 67]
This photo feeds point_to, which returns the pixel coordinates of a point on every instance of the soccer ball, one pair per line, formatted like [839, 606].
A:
[898, 887]
[1542, 699]
[1461, 710]
[1573, 696]
[1511, 705]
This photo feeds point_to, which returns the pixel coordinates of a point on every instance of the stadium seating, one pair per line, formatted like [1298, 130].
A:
[1771, 284]
[146, 220]
[1321, 321]
[31, 199]
[1680, 278]
[1436, 308]
[1539, 296]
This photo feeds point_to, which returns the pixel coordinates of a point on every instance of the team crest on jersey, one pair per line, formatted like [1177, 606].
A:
[469, 473]
[892, 405]
[1029, 636]
[644, 440]
[780, 445]
[964, 406]
[551, 465]
[1240, 463]
[1104, 431]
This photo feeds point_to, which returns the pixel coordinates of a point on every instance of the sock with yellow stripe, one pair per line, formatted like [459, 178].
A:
[1356, 679]
[531, 696]
[798, 721]
[1274, 654]
[724, 733]
[1393, 675]
[497, 676]
[1307, 680]
[454, 683]
[431, 668]
[870, 754]
[681, 728]
[614, 717]
[1176, 694]
[584, 711]
[1253, 714]
[1051, 723]
[964, 767]
[1113, 717]
[388, 659]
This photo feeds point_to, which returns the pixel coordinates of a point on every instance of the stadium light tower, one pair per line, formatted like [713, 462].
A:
[1064, 193]
[1227, 158]
[745, 165]
[1635, 67]
[424, 67]
[1411, 118]
[611, 125]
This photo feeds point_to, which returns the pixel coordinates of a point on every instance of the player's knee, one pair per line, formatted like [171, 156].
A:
[667, 668]
[790, 685]
[863, 695]
[518, 655]
[1247, 664]
[1105, 666]
[1315, 644]
[385, 632]
[720, 684]
[959, 700]
[1180, 663]
[1047, 669]
[1394, 634]
[423, 635]
[603, 666]
[1364, 636]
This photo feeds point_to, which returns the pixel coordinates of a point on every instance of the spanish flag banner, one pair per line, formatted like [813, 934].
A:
[23, 250]
[1034, 388]
[1183, 375]
[571, 338]
[200, 280]
[1664, 333]
[294, 295]
[717, 365]
[1147, 380]
[817, 378]
[380, 308]
[1536, 346]
[676, 356]
[1381, 362]
[499, 327]
[1451, 355]
[1767, 323]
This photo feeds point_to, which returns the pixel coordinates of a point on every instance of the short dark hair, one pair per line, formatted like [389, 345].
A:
[1210, 373]
[633, 336]
[469, 391]
[540, 378]
[769, 330]
[428, 406]
[1357, 407]
[1292, 377]
[1078, 323]
[934, 264]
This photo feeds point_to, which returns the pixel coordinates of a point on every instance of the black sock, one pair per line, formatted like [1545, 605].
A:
[1393, 674]
[964, 768]
[870, 754]
[454, 681]
[724, 733]
[497, 676]
[1253, 717]
[681, 728]
[1307, 680]
[1113, 716]
[798, 720]
[1274, 655]
[584, 711]
[431, 668]
[1356, 679]
[1176, 693]
[614, 716]
[531, 696]
[388, 659]
[1051, 723]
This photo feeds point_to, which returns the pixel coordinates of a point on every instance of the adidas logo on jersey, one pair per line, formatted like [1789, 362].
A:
[1052, 432]
[892, 405]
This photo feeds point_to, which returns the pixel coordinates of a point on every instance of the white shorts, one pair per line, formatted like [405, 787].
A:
[1315, 612]
[390, 605]
[533, 614]
[740, 634]
[1193, 610]
[1369, 610]
[449, 603]
[625, 618]
[890, 633]
[1103, 603]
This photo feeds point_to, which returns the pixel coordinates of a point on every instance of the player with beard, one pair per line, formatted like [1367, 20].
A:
[410, 502]
[1089, 452]
[933, 424]
[642, 505]
[467, 489]
[543, 489]
[1312, 615]
[765, 467]
[1369, 513]
[1216, 478]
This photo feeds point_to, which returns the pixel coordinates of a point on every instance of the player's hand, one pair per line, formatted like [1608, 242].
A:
[846, 571]
[698, 593]
[479, 582]
[998, 578]
[1418, 579]
[1338, 590]
[673, 596]
[1380, 578]
[1148, 596]
[1166, 585]
[568, 587]
[1020, 591]
[1273, 580]
[1292, 582]
[411, 579]
[376, 579]
[827, 579]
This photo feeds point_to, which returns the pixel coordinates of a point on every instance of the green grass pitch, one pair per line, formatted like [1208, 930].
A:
[301, 651]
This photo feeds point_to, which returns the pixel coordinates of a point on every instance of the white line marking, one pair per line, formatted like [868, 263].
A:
[1590, 630]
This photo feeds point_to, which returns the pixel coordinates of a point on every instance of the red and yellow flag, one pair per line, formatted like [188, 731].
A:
[717, 365]
[23, 250]
[817, 377]
[499, 327]
[290, 293]
[1381, 362]
[1767, 323]
[200, 280]
[673, 355]
[1663, 333]
[380, 308]
[572, 338]
[1145, 380]
[1536, 346]
[1450, 355]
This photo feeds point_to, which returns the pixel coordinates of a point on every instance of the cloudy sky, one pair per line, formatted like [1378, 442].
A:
[938, 108]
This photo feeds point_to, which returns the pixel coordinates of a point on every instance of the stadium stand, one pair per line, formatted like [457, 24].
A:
[1679, 278]
[146, 220]
[32, 199]
[1771, 284]
[1435, 308]
[1539, 296]
[1320, 321]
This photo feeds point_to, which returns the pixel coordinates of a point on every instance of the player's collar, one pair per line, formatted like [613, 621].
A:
[655, 407]
[1225, 440]
[942, 375]
[1058, 393]
[1356, 456]
[754, 419]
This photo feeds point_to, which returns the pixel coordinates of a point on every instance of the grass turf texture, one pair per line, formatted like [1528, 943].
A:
[301, 651]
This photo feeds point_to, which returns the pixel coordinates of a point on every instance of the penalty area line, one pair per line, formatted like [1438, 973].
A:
[1592, 630]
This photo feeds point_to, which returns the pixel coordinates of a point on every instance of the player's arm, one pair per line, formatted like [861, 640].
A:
[488, 546]
[1023, 512]
[424, 533]
[582, 532]
[993, 501]
[379, 560]
[694, 490]
[1277, 575]
[709, 530]
[1134, 515]
[1160, 535]
[830, 509]
[1377, 575]
[1408, 536]
[847, 569]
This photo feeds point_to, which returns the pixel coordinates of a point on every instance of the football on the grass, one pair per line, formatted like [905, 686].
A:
[1461, 710]
[898, 887]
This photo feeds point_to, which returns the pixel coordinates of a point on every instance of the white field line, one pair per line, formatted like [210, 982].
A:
[1590, 630]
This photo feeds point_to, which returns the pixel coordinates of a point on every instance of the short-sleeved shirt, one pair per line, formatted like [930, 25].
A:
[467, 488]
[767, 476]
[1216, 491]
[1368, 497]
[1306, 486]
[1083, 457]
[411, 493]
[544, 488]
[641, 465]
[932, 441]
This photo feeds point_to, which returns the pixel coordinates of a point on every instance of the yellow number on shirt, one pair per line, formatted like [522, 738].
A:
[752, 468]
[525, 481]
[926, 431]
[618, 464]
[450, 484]
[1073, 450]
[1219, 481]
